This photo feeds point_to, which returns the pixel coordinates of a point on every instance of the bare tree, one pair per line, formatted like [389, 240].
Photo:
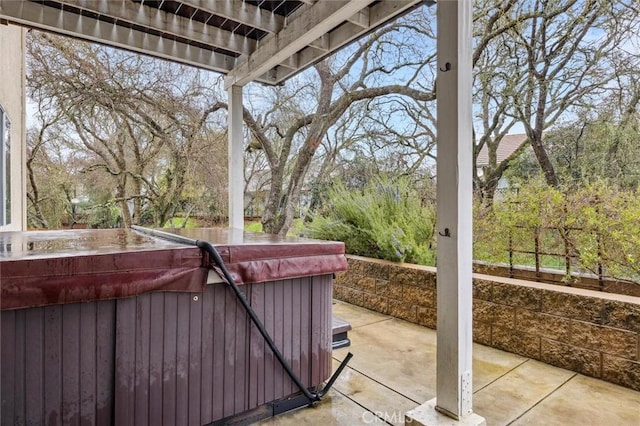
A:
[495, 78]
[138, 120]
[291, 137]
[566, 48]
[535, 62]
[37, 155]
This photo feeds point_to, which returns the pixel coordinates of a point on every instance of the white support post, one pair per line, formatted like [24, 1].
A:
[454, 217]
[454, 195]
[236, 158]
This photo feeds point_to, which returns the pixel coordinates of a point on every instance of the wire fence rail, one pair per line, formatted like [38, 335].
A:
[577, 234]
[567, 254]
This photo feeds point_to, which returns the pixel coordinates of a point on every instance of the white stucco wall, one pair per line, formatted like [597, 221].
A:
[12, 99]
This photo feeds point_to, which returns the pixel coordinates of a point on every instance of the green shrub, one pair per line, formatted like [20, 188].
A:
[179, 222]
[253, 227]
[297, 228]
[597, 226]
[384, 221]
[515, 220]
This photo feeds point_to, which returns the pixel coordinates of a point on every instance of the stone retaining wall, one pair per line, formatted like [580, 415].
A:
[593, 333]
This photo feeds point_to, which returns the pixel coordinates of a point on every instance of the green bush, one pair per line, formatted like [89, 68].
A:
[179, 222]
[101, 216]
[515, 220]
[296, 229]
[384, 221]
[597, 226]
[253, 227]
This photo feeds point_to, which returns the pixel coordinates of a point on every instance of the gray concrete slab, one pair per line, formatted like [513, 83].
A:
[506, 398]
[428, 414]
[335, 409]
[385, 403]
[393, 371]
[397, 353]
[490, 364]
[357, 316]
[586, 401]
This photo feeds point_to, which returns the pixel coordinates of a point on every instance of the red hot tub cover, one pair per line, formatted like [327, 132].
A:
[256, 258]
[39, 268]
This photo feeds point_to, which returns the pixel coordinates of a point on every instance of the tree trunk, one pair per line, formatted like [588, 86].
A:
[543, 159]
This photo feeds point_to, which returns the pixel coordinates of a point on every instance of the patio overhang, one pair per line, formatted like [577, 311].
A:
[251, 40]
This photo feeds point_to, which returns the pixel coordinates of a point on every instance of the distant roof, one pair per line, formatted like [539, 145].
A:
[508, 145]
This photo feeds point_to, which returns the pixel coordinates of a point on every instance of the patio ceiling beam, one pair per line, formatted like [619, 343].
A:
[62, 22]
[361, 18]
[322, 43]
[340, 36]
[138, 14]
[315, 51]
[303, 28]
[242, 12]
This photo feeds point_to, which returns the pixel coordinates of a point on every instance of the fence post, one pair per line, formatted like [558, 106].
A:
[600, 268]
[565, 241]
[537, 250]
[599, 245]
[567, 259]
[510, 253]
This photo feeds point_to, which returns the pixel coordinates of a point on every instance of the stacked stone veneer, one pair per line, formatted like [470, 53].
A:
[592, 333]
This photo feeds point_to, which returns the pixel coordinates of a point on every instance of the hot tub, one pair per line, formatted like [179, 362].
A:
[116, 327]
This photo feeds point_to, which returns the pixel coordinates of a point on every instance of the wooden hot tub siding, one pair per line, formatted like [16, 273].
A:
[163, 358]
[55, 369]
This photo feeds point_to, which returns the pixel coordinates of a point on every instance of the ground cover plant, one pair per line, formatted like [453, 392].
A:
[384, 220]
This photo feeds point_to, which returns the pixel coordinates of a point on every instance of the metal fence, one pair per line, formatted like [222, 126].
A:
[567, 252]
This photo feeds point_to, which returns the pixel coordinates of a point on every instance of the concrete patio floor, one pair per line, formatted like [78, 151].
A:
[393, 371]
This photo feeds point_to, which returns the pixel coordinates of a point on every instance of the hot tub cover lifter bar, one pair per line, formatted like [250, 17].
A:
[312, 397]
